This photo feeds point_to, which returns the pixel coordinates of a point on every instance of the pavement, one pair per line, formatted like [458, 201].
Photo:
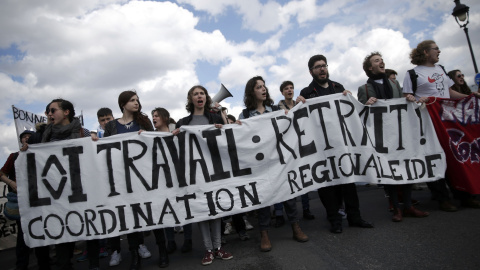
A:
[441, 241]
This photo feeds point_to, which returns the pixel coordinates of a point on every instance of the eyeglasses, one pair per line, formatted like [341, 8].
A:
[460, 76]
[436, 49]
[320, 67]
[52, 110]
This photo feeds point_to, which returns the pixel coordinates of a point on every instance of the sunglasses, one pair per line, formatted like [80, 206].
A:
[460, 76]
[52, 110]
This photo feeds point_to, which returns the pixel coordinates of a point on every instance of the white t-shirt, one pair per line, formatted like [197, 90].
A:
[431, 82]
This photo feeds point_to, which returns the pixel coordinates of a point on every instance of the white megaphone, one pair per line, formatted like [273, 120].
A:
[221, 95]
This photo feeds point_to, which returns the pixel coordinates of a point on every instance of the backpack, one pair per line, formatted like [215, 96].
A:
[246, 112]
[413, 78]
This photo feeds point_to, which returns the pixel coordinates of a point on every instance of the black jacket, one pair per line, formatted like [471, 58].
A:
[213, 118]
[314, 90]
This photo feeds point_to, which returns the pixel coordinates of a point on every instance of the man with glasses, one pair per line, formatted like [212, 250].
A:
[333, 197]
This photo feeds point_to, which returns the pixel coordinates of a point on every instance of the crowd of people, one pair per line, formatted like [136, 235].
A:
[338, 200]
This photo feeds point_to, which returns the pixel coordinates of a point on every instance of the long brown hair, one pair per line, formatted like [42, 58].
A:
[208, 102]
[249, 96]
[142, 119]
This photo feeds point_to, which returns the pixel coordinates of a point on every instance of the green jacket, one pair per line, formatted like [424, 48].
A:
[363, 96]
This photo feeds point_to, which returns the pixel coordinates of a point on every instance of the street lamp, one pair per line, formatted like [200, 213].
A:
[460, 12]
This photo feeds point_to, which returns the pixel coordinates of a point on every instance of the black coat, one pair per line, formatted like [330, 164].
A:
[313, 89]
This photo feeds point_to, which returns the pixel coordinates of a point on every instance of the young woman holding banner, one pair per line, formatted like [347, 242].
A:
[257, 102]
[161, 122]
[63, 126]
[199, 104]
[133, 120]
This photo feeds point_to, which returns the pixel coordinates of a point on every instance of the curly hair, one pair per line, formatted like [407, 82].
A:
[417, 55]
[65, 105]
[367, 64]
[464, 89]
[141, 118]
[190, 107]
[249, 97]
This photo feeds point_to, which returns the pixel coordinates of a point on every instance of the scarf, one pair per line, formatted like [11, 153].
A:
[58, 132]
[384, 91]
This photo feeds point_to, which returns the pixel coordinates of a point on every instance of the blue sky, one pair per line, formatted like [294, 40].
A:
[89, 51]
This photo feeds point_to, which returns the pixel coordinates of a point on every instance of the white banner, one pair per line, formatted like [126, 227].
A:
[80, 189]
[25, 120]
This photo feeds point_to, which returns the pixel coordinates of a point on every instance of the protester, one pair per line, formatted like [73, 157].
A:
[379, 86]
[257, 102]
[63, 126]
[161, 120]
[132, 120]
[42, 253]
[330, 196]
[198, 105]
[431, 80]
[287, 90]
[7, 175]
[460, 85]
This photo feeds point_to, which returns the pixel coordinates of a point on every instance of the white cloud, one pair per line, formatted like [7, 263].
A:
[89, 54]
[344, 57]
[255, 15]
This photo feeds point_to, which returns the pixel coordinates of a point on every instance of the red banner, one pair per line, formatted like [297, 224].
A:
[457, 123]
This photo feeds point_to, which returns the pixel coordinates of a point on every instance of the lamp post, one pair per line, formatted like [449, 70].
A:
[460, 12]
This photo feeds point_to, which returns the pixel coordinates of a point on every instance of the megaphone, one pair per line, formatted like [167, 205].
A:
[221, 95]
